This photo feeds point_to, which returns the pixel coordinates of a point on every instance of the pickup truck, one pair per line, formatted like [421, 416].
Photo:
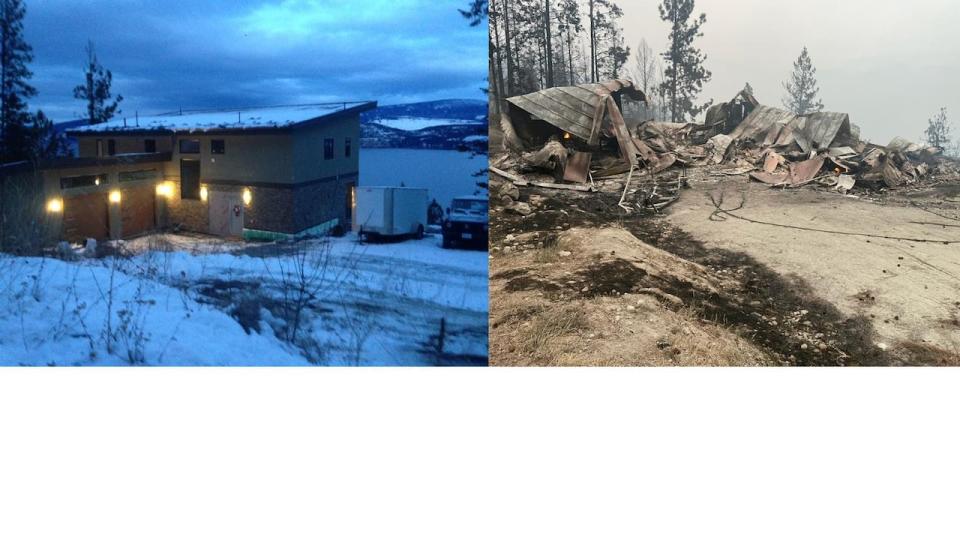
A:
[467, 222]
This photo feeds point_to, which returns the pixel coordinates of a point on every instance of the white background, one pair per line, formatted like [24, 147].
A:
[478, 453]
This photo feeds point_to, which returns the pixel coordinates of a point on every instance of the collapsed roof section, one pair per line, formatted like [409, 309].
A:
[578, 110]
[772, 127]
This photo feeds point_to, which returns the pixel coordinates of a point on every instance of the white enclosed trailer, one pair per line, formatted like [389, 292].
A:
[390, 212]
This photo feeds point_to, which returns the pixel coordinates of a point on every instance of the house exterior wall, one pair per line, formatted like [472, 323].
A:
[125, 144]
[293, 187]
[247, 158]
[34, 190]
[308, 149]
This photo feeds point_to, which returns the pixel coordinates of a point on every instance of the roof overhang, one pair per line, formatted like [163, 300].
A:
[347, 110]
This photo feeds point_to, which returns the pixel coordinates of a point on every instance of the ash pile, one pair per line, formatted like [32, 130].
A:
[576, 138]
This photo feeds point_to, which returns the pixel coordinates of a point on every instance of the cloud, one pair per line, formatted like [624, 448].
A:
[227, 53]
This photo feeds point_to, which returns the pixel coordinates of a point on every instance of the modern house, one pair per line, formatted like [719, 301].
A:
[251, 173]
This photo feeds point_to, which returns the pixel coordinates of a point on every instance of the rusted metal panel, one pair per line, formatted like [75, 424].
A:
[758, 123]
[578, 166]
[578, 110]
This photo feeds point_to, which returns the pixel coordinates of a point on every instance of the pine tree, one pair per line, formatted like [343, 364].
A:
[95, 90]
[685, 73]
[608, 50]
[570, 25]
[46, 141]
[15, 89]
[802, 90]
[938, 130]
[476, 12]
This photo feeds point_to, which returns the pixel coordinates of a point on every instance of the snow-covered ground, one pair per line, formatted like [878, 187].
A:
[178, 300]
[407, 123]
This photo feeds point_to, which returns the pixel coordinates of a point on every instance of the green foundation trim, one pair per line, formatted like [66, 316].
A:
[270, 236]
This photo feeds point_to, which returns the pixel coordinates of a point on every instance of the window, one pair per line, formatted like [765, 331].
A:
[189, 146]
[112, 147]
[99, 147]
[327, 149]
[218, 146]
[150, 146]
[133, 176]
[346, 147]
[190, 179]
[69, 182]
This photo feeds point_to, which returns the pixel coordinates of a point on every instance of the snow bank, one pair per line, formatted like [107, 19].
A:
[57, 312]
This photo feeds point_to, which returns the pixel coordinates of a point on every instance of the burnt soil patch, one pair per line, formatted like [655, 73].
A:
[779, 313]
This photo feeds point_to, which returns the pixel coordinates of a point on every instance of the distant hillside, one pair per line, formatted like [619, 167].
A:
[451, 124]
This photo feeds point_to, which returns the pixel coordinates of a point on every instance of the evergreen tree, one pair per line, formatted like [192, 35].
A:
[46, 142]
[612, 54]
[570, 26]
[685, 73]
[15, 89]
[476, 12]
[95, 90]
[938, 130]
[802, 90]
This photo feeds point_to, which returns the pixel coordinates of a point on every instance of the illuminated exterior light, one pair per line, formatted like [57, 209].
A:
[96, 181]
[204, 193]
[165, 189]
[247, 196]
[566, 136]
[115, 196]
[55, 206]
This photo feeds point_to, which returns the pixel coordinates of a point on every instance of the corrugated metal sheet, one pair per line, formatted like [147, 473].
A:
[759, 122]
[770, 126]
[823, 128]
[578, 110]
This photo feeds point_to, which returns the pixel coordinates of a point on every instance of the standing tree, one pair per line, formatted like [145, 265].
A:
[549, 41]
[46, 141]
[749, 89]
[15, 54]
[938, 130]
[570, 25]
[476, 12]
[685, 74]
[95, 90]
[802, 90]
[611, 52]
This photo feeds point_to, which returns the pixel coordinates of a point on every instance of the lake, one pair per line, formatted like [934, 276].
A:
[445, 173]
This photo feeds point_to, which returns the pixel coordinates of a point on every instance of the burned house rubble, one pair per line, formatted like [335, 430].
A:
[577, 138]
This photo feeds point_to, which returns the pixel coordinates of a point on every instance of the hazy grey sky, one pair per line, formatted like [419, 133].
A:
[890, 64]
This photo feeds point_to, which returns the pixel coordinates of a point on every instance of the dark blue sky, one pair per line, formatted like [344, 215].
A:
[165, 54]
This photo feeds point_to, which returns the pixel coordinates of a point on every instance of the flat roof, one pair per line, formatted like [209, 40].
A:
[238, 119]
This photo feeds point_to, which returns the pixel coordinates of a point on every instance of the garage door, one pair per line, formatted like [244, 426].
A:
[137, 210]
[85, 216]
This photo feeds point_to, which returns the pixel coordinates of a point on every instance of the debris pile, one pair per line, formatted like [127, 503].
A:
[576, 138]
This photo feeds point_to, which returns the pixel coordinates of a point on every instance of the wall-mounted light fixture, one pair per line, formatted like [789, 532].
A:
[247, 196]
[55, 206]
[115, 196]
[165, 189]
[204, 193]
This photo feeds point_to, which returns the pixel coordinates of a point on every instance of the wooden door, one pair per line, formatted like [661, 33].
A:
[86, 216]
[137, 210]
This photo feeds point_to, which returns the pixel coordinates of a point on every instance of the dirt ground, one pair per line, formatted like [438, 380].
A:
[579, 282]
